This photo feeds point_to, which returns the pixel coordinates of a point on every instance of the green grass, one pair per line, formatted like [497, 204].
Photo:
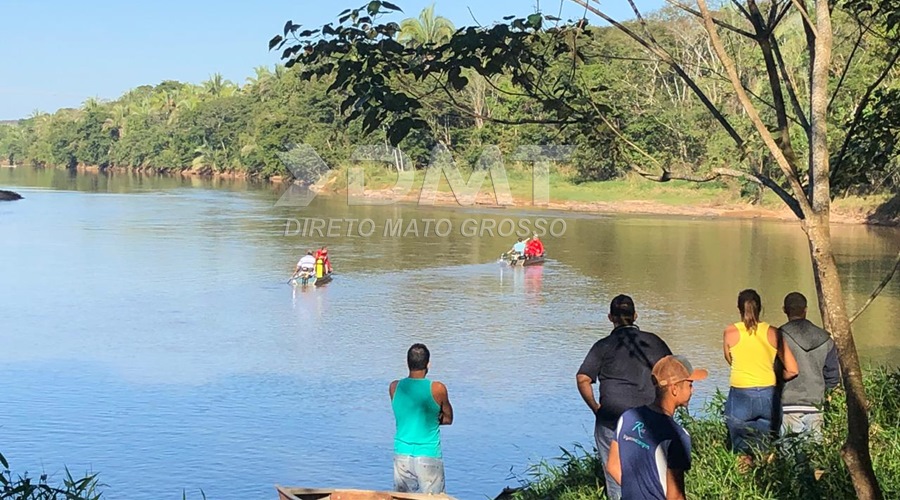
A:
[785, 470]
[563, 188]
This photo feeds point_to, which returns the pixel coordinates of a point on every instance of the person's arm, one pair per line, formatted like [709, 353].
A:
[791, 369]
[393, 388]
[832, 369]
[675, 484]
[614, 464]
[587, 374]
[587, 391]
[728, 341]
[439, 392]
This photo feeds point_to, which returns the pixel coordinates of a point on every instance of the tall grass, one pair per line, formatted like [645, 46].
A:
[792, 467]
[23, 487]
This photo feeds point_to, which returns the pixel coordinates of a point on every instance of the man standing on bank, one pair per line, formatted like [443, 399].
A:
[622, 364]
[816, 357]
[420, 407]
[652, 451]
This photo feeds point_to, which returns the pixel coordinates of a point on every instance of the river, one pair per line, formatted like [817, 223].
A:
[148, 333]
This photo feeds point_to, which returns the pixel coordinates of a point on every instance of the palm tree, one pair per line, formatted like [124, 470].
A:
[217, 86]
[261, 82]
[428, 29]
[188, 99]
[117, 120]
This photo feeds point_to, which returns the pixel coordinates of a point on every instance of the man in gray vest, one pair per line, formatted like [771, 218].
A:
[816, 355]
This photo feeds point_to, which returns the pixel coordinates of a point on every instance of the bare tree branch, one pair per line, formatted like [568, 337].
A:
[729, 27]
[860, 108]
[669, 60]
[741, 8]
[753, 114]
[712, 175]
[780, 16]
[791, 87]
[878, 289]
[763, 39]
[806, 19]
[846, 69]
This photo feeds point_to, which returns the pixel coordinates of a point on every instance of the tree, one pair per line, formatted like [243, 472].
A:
[428, 29]
[218, 86]
[779, 113]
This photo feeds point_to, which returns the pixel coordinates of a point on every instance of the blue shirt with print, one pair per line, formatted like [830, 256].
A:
[650, 443]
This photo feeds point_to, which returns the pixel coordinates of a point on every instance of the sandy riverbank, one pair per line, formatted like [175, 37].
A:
[854, 214]
[853, 210]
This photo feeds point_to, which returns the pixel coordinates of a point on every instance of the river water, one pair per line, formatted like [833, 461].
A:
[148, 333]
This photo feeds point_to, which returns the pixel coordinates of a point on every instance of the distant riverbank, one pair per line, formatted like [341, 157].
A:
[631, 195]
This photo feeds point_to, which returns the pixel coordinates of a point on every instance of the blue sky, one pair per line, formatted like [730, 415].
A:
[56, 53]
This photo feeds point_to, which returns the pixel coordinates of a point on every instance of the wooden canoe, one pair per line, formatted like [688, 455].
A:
[531, 261]
[304, 280]
[293, 493]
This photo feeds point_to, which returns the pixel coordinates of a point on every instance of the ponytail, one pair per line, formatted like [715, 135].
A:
[749, 304]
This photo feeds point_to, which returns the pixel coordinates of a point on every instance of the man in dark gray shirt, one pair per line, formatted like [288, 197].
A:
[622, 364]
[802, 397]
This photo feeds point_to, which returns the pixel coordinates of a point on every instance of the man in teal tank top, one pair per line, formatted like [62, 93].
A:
[420, 407]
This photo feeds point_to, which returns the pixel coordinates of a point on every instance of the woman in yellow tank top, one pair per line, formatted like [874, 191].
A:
[751, 347]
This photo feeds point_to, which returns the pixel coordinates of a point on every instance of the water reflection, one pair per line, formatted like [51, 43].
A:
[165, 306]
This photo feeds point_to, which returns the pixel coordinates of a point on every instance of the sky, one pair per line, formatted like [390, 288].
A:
[56, 54]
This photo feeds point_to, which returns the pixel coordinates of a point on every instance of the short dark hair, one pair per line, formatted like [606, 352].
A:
[417, 357]
[794, 304]
[622, 308]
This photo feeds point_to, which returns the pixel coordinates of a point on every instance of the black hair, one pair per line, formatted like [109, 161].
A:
[417, 357]
[622, 309]
[794, 304]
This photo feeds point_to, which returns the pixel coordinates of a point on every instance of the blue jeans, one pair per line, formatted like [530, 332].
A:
[749, 413]
[604, 436]
[418, 474]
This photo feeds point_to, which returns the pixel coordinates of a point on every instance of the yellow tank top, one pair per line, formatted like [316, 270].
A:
[752, 358]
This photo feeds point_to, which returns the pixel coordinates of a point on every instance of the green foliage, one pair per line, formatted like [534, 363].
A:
[792, 468]
[530, 80]
[26, 488]
[597, 88]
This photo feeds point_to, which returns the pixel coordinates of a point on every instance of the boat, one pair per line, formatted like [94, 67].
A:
[307, 278]
[292, 493]
[516, 260]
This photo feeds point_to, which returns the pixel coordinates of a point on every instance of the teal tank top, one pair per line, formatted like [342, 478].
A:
[416, 413]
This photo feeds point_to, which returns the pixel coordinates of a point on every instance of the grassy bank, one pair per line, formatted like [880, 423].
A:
[791, 468]
[632, 194]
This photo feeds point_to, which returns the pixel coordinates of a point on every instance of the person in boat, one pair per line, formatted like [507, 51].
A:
[534, 248]
[519, 247]
[307, 263]
[323, 254]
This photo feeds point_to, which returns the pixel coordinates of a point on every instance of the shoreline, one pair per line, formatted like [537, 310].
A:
[725, 209]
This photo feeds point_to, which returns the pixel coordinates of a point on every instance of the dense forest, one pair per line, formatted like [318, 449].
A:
[220, 126]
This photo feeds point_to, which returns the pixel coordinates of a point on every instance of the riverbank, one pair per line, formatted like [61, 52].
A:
[630, 195]
[791, 468]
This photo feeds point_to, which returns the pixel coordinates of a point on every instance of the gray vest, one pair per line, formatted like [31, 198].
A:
[810, 345]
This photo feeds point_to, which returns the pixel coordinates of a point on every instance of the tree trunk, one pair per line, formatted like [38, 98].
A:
[855, 451]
